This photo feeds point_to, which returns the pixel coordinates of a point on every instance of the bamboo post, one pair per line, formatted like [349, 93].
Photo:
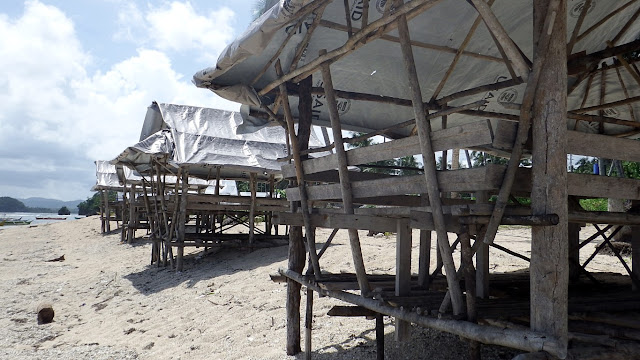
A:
[343, 174]
[549, 268]
[182, 218]
[252, 208]
[309, 230]
[428, 156]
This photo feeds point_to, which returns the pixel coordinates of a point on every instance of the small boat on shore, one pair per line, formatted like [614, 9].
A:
[50, 218]
[14, 221]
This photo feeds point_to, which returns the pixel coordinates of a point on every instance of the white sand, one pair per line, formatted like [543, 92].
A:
[111, 304]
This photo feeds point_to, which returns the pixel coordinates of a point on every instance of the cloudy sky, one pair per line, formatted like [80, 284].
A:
[78, 75]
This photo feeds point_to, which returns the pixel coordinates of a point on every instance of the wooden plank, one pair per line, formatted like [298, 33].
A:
[424, 221]
[339, 221]
[578, 143]
[587, 185]
[204, 198]
[475, 179]
[469, 135]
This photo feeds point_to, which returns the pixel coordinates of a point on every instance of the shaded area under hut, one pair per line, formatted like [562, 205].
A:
[189, 160]
[520, 79]
[115, 184]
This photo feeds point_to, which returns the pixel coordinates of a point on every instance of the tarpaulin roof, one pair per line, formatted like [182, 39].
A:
[109, 176]
[437, 35]
[201, 140]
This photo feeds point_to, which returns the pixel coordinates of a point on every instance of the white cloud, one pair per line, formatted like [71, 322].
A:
[57, 118]
[177, 27]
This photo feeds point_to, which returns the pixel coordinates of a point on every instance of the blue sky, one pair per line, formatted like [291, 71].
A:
[78, 75]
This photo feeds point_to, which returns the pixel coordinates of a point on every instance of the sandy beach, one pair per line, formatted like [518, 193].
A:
[111, 304]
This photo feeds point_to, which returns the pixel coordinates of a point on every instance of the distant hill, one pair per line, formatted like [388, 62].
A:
[38, 202]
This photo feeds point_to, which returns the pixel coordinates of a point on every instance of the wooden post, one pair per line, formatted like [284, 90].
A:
[252, 208]
[343, 173]
[549, 244]
[102, 212]
[182, 219]
[482, 255]
[635, 249]
[107, 211]
[379, 333]
[424, 259]
[296, 251]
[470, 286]
[574, 251]
[309, 230]
[455, 165]
[269, 215]
[403, 273]
[125, 221]
[428, 158]
[132, 214]
[308, 325]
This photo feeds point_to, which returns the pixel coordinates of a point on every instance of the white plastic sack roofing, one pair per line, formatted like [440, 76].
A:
[201, 139]
[109, 176]
[377, 67]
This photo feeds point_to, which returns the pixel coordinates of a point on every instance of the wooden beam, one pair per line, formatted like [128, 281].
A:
[469, 135]
[525, 340]
[310, 233]
[510, 48]
[428, 158]
[525, 122]
[340, 221]
[584, 63]
[476, 179]
[345, 183]
[605, 19]
[417, 44]
[357, 40]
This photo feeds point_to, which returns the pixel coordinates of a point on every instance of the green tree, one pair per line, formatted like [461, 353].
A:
[64, 211]
[91, 206]
[9, 204]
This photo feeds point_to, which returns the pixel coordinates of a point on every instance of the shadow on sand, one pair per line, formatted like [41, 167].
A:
[424, 344]
[200, 266]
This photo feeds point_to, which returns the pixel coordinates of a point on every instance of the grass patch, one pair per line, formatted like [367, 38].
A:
[594, 204]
